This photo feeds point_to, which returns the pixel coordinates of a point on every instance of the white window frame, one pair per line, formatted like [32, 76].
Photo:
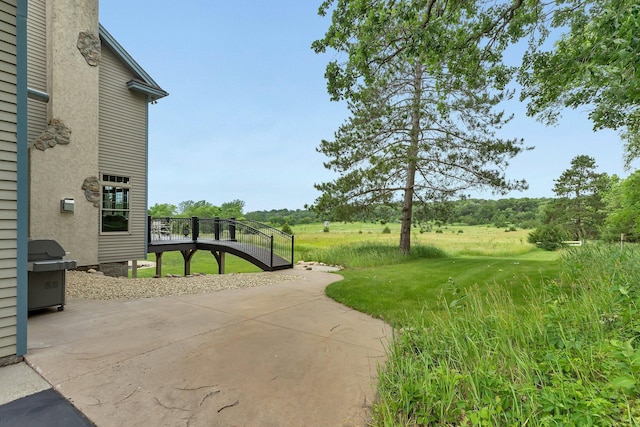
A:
[119, 184]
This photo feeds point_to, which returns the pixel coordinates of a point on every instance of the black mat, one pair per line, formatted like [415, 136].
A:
[46, 408]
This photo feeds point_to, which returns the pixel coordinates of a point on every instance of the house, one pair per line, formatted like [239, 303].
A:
[73, 158]
[89, 140]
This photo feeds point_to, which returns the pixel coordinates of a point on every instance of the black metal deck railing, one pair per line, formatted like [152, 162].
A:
[261, 242]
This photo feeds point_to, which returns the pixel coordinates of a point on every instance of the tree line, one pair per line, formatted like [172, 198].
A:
[201, 209]
[587, 205]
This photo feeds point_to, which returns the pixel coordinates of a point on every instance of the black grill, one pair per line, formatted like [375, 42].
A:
[47, 274]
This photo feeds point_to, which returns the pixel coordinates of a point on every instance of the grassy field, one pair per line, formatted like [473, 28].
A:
[453, 239]
[312, 243]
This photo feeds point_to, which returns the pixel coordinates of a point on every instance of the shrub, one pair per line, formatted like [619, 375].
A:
[386, 230]
[325, 229]
[286, 228]
[548, 237]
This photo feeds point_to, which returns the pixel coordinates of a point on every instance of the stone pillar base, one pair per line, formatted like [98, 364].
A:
[10, 360]
[115, 269]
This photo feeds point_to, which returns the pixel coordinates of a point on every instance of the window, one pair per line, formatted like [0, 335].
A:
[115, 203]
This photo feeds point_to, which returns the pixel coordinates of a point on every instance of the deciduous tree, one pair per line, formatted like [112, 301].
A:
[232, 209]
[201, 209]
[623, 208]
[595, 64]
[161, 210]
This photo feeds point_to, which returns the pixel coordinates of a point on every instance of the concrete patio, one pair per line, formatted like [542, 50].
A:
[276, 355]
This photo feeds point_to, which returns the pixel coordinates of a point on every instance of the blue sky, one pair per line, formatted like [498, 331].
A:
[248, 105]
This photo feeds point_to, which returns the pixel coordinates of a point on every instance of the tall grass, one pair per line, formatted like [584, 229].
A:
[569, 355]
[370, 254]
[458, 240]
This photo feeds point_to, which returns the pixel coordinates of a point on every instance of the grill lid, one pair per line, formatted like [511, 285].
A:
[44, 249]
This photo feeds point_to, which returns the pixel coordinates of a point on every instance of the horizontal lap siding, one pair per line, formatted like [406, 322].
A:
[8, 179]
[123, 151]
[37, 66]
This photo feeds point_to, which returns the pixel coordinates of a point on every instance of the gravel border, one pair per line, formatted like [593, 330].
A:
[84, 285]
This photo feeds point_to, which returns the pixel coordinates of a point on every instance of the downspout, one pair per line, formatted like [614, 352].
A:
[146, 178]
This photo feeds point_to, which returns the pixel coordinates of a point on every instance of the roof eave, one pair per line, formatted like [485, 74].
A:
[153, 93]
[150, 87]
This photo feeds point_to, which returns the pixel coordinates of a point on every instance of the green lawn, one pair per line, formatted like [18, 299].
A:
[378, 281]
[202, 262]
[401, 293]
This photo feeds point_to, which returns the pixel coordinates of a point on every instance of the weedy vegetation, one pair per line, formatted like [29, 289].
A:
[564, 353]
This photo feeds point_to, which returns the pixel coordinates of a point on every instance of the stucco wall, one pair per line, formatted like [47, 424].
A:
[58, 172]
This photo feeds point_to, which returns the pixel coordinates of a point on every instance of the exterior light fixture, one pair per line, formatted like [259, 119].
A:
[67, 205]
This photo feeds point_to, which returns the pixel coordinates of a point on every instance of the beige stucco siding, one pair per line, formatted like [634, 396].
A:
[123, 151]
[8, 179]
[59, 171]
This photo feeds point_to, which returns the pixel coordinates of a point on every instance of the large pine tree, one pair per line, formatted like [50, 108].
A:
[422, 82]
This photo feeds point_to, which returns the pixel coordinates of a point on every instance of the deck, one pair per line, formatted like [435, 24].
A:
[266, 247]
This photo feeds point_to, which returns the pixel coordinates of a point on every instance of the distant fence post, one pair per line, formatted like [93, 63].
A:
[195, 228]
[216, 228]
[232, 229]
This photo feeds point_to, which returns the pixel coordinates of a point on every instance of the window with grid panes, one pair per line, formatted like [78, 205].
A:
[115, 203]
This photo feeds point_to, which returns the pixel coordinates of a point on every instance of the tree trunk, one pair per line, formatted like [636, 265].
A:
[407, 208]
[412, 160]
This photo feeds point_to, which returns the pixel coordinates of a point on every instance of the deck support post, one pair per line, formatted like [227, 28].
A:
[187, 254]
[159, 264]
[219, 256]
